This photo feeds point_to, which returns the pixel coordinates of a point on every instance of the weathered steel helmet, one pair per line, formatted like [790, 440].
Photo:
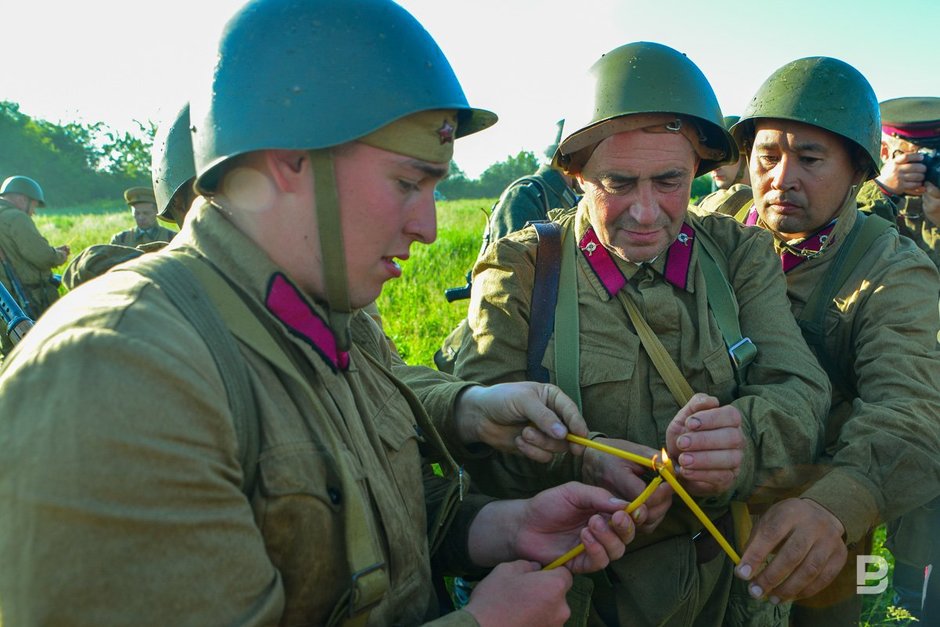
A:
[172, 164]
[313, 74]
[23, 185]
[308, 74]
[825, 92]
[645, 77]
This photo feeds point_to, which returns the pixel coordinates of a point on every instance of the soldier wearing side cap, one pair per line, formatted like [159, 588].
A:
[638, 257]
[866, 300]
[143, 206]
[26, 257]
[275, 470]
[910, 140]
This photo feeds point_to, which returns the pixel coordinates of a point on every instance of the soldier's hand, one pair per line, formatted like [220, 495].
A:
[903, 174]
[555, 520]
[502, 416]
[64, 251]
[931, 204]
[519, 593]
[805, 540]
[706, 440]
[624, 479]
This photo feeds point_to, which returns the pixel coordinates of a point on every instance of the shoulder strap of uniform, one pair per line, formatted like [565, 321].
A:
[724, 305]
[544, 297]
[541, 192]
[567, 320]
[867, 228]
[188, 293]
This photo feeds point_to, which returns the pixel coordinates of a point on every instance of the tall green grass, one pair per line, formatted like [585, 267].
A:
[416, 315]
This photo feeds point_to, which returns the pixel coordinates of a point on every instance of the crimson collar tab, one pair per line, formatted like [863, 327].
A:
[286, 303]
[814, 244]
[676, 271]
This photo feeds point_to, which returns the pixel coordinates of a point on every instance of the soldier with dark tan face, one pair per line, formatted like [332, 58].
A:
[866, 300]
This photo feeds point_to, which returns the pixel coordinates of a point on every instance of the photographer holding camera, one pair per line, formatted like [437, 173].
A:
[910, 171]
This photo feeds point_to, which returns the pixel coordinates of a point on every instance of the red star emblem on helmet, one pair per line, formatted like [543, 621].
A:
[446, 133]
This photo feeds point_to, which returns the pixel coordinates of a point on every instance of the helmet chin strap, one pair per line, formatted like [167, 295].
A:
[331, 246]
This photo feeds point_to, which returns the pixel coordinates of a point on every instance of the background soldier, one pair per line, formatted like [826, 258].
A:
[26, 256]
[910, 141]
[656, 125]
[531, 197]
[271, 471]
[866, 300]
[724, 176]
[173, 175]
[143, 206]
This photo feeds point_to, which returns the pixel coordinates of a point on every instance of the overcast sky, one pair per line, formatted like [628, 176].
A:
[117, 61]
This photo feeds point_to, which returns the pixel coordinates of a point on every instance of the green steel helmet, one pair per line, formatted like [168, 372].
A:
[651, 78]
[23, 185]
[310, 74]
[824, 92]
[730, 120]
[172, 164]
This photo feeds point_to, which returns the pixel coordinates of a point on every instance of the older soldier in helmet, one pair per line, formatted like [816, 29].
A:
[638, 266]
[866, 300]
[25, 255]
[271, 472]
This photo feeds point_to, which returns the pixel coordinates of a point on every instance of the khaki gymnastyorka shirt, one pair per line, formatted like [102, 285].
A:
[120, 475]
[30, 255]
[783, 401]
[883, 431]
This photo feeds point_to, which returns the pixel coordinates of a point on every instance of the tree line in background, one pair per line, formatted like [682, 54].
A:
[84, 163]
[74, 163]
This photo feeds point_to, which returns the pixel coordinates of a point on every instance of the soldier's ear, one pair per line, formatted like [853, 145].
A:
[289, 168]
[885, 151]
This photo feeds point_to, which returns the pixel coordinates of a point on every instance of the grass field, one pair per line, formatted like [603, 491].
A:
[416, 315]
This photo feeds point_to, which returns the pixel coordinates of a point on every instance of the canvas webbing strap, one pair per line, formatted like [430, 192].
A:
[369, 577]
[724, 306]
[567, 321]
[867, 228]
[544, 298]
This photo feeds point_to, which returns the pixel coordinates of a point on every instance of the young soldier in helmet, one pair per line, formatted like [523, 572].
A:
[26, 258]
[639, 260]
[866, 300]
[290, 489]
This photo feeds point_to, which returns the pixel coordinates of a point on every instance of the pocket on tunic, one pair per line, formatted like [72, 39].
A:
[720, 372]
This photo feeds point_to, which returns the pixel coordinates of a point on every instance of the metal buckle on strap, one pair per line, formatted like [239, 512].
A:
[742, 352]
[364, 592]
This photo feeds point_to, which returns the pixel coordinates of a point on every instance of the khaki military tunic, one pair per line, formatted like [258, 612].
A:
[136, 237]
[31, 256]
[120, 476]
[911, 220]
[783, 401]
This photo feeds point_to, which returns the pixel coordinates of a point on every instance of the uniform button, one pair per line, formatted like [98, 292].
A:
[335, 495]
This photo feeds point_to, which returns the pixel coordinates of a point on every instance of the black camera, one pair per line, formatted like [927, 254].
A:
[932, 161]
